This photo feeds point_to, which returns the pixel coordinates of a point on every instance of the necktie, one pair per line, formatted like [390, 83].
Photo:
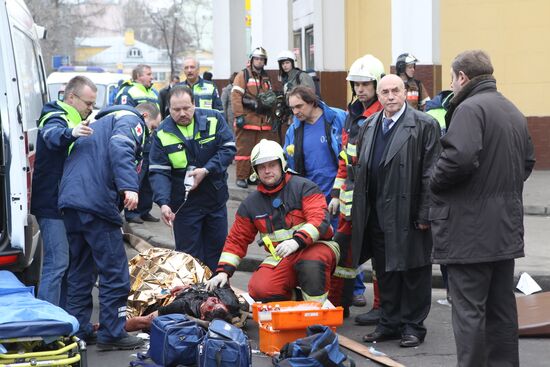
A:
[386, 122]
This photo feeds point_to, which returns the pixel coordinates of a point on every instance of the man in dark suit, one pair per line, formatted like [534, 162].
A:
[396, 148]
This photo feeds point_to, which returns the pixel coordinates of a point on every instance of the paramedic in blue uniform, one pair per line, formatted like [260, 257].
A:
[60, 125]
[205, 94]
[200, 138]
[100, 176]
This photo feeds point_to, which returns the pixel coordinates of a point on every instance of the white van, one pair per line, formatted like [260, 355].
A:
[22, 94]
[106, 82]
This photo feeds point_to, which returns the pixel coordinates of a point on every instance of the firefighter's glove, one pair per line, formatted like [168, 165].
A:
[82, 130]
[287, 247]
[239, 122]
[333, 206]
[218, 281]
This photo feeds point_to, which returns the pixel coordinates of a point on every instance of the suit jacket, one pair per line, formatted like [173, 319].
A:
[403, 193]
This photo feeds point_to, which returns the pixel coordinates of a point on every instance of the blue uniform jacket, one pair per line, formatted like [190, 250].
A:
[205, 94]
[133, 93]
[334, 120]
[213, 152]
[54, 139]
[102, 166]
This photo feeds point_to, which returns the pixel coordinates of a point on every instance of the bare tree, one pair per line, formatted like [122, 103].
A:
[160, 27]
[197, 19]
[64, 22]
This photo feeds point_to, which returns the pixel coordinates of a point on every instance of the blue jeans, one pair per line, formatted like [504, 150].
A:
[55, 261]
[359, 287]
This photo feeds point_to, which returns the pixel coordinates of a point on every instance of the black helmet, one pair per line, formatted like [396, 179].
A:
[402, 61]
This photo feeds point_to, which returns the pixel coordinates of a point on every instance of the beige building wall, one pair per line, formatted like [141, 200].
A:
[515, 33]
[368, 31]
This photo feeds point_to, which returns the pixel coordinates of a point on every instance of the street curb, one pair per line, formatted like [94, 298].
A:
[536, 210]
[251, 263]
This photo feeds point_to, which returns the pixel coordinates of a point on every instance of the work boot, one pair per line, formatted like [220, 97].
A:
[369, 318]
[149, 218]
[242, 184]
[359, 300]
[127, 342]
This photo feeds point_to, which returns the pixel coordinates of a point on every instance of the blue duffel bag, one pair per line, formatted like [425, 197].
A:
[224, 345]
[174, 340]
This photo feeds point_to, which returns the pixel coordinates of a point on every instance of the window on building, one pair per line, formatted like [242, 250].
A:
[160, 76]
[309, 49]
[134, 52]
[298, 48]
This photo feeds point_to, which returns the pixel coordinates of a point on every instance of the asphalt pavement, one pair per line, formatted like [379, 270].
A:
[438, 348]
[537, 230]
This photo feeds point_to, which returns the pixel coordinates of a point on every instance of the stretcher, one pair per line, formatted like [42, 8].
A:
[34, 332]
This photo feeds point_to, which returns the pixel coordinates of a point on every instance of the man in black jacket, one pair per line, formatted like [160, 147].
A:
[477, 215]
[396, 150]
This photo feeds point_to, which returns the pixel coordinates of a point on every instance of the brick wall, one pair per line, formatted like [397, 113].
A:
[539, 128]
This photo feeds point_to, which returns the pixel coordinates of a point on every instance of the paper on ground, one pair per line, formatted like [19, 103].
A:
[527, 285]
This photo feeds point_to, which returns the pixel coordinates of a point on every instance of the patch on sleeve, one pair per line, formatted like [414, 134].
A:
[138, 129]
[123, 99]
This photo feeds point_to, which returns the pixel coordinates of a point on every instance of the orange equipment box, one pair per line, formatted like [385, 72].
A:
[283, 322]
[287, 315]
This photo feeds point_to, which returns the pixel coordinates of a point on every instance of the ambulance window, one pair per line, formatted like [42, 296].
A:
[28, 77]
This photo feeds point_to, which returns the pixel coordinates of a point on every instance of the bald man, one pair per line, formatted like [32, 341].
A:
[396, 150]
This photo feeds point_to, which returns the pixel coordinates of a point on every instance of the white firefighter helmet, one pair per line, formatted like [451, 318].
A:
[267, 151]
[286, 55]
[365, 69]
[259, 52]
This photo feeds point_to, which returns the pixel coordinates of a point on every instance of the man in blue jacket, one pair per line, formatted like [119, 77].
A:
[314, 139]
[60, 125]
[100, 176]
[198, 143]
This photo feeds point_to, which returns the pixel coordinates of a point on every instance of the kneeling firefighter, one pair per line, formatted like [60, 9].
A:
[290, 212]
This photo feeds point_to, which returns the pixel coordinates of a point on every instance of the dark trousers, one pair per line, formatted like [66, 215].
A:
[485, 320]
[96, 245]
[201, 233]
[405, 296]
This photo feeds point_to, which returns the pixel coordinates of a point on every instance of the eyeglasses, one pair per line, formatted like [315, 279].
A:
[87, 103]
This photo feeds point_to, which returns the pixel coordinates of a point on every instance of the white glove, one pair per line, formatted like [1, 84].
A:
[287, 247]
[218, 281]
[82, 129]
[333, 206]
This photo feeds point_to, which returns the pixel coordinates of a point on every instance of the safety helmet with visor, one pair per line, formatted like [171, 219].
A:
[402, 61]
[260, 53]
[267, 151]
[286, 55]
[365, 69]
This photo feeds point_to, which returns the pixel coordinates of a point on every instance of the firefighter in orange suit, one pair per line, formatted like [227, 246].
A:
[251, 121]
[363, 75]
[290, 212]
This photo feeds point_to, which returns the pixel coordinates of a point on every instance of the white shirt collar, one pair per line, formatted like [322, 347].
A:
[397, 115]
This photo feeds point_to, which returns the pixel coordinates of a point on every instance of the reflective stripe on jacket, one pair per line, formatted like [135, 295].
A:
[296, 209]
[210, 146]
[133, 93]
[205, 94]
[54, 138]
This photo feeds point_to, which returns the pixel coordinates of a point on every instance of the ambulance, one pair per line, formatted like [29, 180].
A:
[106, 82]
[23, 92]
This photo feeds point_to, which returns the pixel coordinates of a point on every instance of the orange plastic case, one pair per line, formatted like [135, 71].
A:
[278, 324]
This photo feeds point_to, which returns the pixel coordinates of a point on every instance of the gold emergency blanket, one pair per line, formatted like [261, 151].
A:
[157, 270]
